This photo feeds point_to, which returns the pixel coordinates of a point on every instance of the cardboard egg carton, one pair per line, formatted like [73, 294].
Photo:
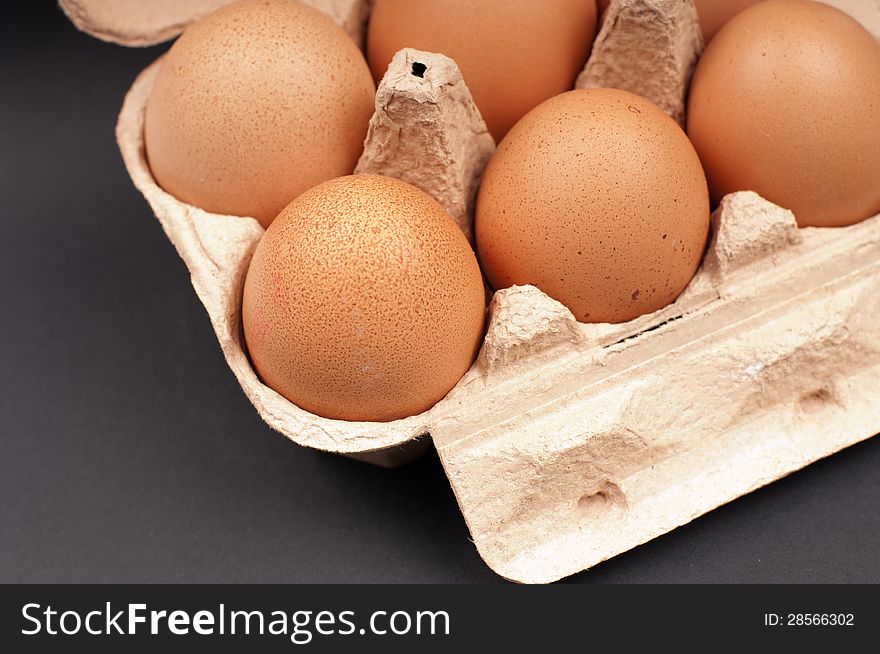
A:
[567, 443]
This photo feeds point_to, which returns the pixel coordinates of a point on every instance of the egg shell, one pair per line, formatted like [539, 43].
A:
[513, 54]
[254, 104]
[786, 102]
[597, 198]
[714, 14]
[363, 301]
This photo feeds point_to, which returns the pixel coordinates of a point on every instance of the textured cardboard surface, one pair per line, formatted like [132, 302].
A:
[649, 48]
[134, 22]
[428, 132]
[147, 22]
[584, 447]
[568, 443]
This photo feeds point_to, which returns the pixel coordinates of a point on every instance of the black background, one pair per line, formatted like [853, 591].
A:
[129, 454]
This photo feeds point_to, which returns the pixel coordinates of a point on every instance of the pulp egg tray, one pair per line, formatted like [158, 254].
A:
[568, 443]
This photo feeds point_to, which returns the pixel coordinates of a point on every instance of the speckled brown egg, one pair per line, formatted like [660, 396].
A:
[513, 54]
[254, 104]
[597, 198]
[714, 14]
[786, 102]
[363, 301]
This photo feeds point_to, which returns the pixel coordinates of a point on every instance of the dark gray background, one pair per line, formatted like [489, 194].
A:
[129, 454]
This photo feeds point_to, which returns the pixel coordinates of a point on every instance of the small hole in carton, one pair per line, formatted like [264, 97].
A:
[601, 503]
[418, 69]
[591, 503]
[816, 400]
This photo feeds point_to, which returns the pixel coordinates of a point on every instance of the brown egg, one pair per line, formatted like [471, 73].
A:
[786, 102]
[513, 54]
[597, 198]
[714, 14]
[363, 301]
[254, 104]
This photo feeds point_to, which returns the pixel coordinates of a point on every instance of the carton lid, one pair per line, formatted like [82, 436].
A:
[136, 22]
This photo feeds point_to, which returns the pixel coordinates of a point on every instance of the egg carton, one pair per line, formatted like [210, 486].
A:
[568, 443]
